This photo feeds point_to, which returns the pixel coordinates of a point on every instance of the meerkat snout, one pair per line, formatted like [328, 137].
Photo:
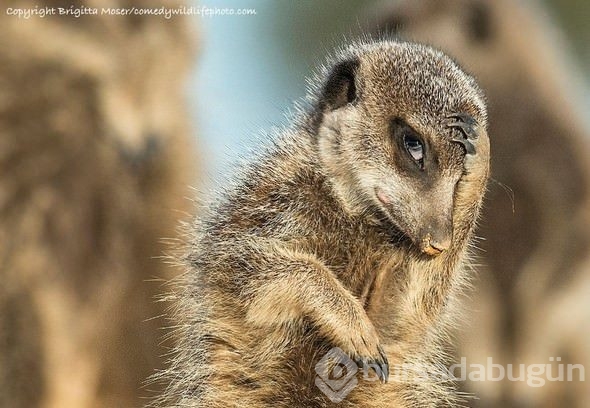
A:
[436, 242]
[434, 237]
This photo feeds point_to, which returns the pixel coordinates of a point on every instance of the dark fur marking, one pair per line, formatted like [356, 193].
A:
[340, 88]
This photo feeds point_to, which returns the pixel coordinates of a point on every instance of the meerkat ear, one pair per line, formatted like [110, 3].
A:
[340, 88]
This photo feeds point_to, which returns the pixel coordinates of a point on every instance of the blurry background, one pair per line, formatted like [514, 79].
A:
[106, 122]
[252, 68]
[97, 153]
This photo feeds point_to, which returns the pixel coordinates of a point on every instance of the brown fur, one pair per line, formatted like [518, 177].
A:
[94, 165]
[301, 256]
[536, 243]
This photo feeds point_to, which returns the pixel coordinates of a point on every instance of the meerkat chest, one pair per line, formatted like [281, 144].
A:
[363, 266]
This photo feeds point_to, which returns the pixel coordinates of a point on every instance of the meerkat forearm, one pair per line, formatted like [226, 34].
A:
[472, 184]
[467, 209]
[299, 285]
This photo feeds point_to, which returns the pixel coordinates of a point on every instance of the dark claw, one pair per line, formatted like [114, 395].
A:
[380, 365]
[384, 364]
[464, 118]
[469, 148]
[467, 125]
[467, 129]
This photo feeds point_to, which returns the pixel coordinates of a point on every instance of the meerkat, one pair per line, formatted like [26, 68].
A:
[536, 243]
[95, 162]
[350, 233]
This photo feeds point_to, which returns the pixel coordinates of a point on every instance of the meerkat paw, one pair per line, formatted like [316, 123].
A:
[469, 131]
[363, 347]
[466, 131]
[379, 364]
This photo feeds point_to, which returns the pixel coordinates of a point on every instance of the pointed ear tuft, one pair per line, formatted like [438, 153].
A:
[340, 87]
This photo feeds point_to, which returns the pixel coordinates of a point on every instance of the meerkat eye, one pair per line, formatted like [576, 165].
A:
[415, 149]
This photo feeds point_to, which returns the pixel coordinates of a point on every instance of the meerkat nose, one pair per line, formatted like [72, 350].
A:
[433, 246]
[432, 251]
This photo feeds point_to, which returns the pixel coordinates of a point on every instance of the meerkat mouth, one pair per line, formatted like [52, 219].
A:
[382, 197]
[397, 233]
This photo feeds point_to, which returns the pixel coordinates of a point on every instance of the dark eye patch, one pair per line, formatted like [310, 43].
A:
[409, 142]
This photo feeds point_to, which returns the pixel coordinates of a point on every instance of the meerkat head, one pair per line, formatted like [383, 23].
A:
[383, 136]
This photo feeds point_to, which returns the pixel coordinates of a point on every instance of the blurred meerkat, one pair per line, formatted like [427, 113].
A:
[536, 243]
[349, 230]
[95, 160]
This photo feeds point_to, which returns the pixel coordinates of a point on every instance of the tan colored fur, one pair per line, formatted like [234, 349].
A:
[95, 160]
[299, 256]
